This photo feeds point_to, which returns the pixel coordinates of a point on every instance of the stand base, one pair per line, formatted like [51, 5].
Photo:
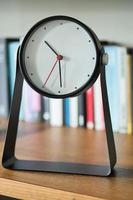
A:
[60, 167]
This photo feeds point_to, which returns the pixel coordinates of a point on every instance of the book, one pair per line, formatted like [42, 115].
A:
[129, 91]
[32, 104]
[89, 108]
[117, 83]
[123, 121]
[12, 46]
[98, 107]
[11, 49]
[73, 103]
[113, 86]
[56, 112]
[4, 104]
[66, 112]
[81, 110]
[45, 109]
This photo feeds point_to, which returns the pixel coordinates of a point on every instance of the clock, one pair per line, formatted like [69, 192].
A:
[60, 57]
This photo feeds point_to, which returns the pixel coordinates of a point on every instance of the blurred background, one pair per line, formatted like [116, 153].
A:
[111, 20]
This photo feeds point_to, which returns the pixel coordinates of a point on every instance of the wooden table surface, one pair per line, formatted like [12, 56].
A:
[74, 145]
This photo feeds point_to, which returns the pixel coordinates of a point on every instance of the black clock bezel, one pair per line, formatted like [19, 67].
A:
[93, 77]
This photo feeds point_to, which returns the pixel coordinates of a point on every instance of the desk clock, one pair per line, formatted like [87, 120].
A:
[59, 57]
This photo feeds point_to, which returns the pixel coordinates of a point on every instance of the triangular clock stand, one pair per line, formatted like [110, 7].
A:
[11, 162]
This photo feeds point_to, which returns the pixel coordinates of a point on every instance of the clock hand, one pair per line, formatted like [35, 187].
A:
[59, 57]
[60, 73]
[51, 48]
[51, 72]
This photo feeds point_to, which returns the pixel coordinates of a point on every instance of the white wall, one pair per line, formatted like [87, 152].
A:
[110, 19]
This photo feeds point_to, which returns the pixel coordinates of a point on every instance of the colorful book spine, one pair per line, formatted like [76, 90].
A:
[66, 112]
[4, 107]
[90, 108]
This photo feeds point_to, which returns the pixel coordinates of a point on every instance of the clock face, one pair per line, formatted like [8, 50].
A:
[58, 57]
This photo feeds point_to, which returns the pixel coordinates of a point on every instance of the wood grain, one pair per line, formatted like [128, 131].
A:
[33, 192]
[35, 142]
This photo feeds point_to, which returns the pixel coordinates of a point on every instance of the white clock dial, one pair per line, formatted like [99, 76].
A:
[59, 57]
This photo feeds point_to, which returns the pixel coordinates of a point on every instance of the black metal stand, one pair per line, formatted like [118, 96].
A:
[11, 162]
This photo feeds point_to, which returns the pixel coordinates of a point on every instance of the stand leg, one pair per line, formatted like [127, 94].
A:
[107, 118]
[9, 148]
[9, 161]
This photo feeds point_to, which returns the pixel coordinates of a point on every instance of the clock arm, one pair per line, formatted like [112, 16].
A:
[51, 48]
[60, 73]
[11, 135]
[50, 72]
[107, 117]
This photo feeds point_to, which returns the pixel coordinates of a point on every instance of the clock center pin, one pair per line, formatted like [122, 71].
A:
[59, 57]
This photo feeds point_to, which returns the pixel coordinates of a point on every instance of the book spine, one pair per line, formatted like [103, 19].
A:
[129, 128]
[56, 112]
[66, 112]
[4, 109]
[98, 107]
[81, 110]
[35, 106]
[90, 108]
[113, 84]
[45, 109]
[26, 98]
[123, 92]
[131, 53]
[32, 108]
[12, 47]
[73, 112]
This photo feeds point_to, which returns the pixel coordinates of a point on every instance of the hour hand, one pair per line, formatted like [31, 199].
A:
[51, 47]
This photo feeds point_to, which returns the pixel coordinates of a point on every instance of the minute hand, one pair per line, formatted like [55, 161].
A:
[60, 73]
[51, 48]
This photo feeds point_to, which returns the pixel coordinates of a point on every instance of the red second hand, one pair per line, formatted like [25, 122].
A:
[51, 71]
[59, 57]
